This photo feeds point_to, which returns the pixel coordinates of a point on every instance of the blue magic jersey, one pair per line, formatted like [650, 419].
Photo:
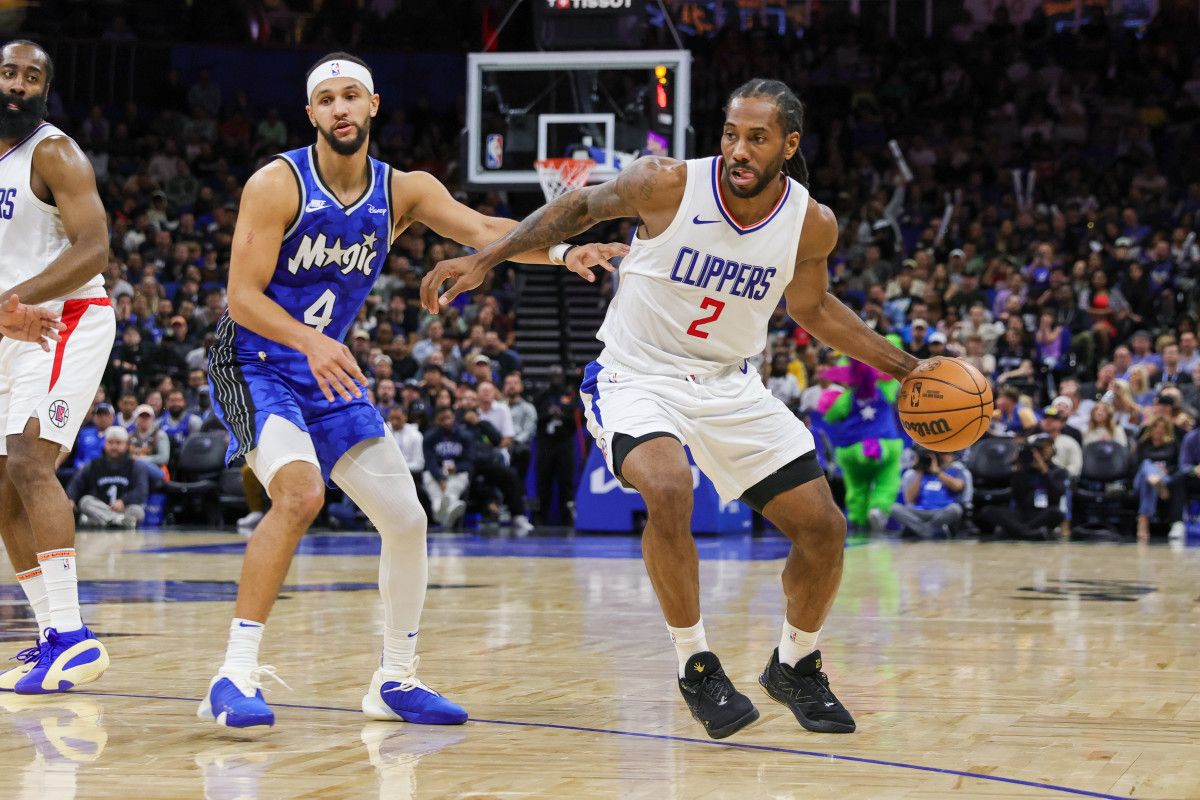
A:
[329, 260]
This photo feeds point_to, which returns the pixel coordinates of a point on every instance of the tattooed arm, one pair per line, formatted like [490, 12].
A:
[650, 188]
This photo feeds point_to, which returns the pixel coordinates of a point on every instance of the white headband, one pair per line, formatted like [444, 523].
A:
[340, 69]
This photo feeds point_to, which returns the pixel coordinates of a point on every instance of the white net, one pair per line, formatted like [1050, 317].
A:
[560, 175]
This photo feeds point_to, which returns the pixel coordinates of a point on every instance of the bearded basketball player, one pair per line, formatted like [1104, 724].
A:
[721, 241]
[53, 246]
[314, 230]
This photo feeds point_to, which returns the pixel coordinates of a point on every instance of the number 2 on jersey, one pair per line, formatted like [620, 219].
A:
[709, 302]
[320, 313]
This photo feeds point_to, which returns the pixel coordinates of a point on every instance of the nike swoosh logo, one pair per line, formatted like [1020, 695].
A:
[251, 625]
[316, 205]
[829, 705]
[697, 221]
[411, 635]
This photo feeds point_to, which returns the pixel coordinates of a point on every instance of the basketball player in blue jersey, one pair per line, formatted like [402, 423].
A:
[312, 236]
[721, 241]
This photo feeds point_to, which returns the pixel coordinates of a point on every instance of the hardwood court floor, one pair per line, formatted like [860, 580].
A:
[974, 670]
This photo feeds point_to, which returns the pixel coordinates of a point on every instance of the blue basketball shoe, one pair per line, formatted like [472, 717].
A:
[235, 700]
[65, 660]
[402, 696]
[25, 661]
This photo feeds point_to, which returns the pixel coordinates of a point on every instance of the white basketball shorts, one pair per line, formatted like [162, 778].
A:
[57, 388]
[738, 432]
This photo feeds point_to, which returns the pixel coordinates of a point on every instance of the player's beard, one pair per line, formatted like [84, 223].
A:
[765, 178]
[351, 146]
[16, 124]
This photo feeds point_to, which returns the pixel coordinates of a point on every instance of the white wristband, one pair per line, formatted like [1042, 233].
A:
[557, 253]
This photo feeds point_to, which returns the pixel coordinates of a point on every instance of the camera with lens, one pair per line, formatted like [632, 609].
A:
[1025, 455]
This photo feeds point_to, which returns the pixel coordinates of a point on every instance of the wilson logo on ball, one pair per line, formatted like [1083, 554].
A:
[925, 429]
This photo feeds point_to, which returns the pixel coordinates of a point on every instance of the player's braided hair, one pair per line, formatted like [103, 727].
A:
[791, 115]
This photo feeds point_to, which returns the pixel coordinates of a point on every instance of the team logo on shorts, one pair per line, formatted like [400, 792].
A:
[60, 412]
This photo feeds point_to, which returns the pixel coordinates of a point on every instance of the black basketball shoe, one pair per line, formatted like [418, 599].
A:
[805, 690]
[711, 698]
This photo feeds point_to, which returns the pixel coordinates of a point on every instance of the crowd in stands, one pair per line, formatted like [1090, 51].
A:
[1040, 223]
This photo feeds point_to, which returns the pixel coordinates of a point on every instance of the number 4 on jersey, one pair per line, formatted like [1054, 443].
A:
[320, 313]
[709, 302]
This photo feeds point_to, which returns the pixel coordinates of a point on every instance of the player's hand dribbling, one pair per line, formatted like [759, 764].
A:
[29, 323]
[583, 257]
[334, 367]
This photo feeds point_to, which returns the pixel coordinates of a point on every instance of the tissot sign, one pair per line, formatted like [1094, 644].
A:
[589, 5]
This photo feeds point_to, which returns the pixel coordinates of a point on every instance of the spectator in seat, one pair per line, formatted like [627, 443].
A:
[525, 424]
[557, 428]
[147, 441]
[497, 413]
[1038, 487]
[1013, 417]
[490, 462]
[934, 494]
[1185, 483]
[177, 422]
[90, 443]
[412, 446]
[448, 463]
[1158, 453]
[481, 369]
[782, 383]
[1103, 427]
[1068, 453]
[1173, 372]
[110, 490]
[503, 359]
[125, 407]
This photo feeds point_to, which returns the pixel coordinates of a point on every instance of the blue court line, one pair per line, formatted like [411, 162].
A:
[662, 737]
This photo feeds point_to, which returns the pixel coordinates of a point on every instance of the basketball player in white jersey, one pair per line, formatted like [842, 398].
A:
[53, 246]
[721, 241]
[314, 226]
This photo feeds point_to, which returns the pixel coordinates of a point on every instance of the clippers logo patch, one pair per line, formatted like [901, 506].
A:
[60, 412]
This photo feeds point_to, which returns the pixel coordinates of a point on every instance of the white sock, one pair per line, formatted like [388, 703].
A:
[688, 642]
[795, 644]
[35, 592]
[62, 588]
[245, 635]
[399, 650]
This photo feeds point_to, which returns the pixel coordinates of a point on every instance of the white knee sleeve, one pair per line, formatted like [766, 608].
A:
[376, 477]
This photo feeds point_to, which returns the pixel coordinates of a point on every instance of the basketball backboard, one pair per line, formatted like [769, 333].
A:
[609, 106]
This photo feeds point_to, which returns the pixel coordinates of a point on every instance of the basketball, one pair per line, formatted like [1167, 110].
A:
[945, 404]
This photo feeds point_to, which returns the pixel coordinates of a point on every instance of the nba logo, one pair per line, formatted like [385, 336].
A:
[493, 152]
[335, 68]
[915, 400]
[59, 412]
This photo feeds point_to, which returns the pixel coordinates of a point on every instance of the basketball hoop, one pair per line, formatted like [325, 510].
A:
[560, 175]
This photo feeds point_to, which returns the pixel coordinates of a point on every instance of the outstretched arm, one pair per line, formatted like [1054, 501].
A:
[423, 198]
[644, 189]
[823, 315]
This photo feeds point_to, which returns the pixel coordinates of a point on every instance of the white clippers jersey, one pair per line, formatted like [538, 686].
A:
[697, 298]
[31, 232]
